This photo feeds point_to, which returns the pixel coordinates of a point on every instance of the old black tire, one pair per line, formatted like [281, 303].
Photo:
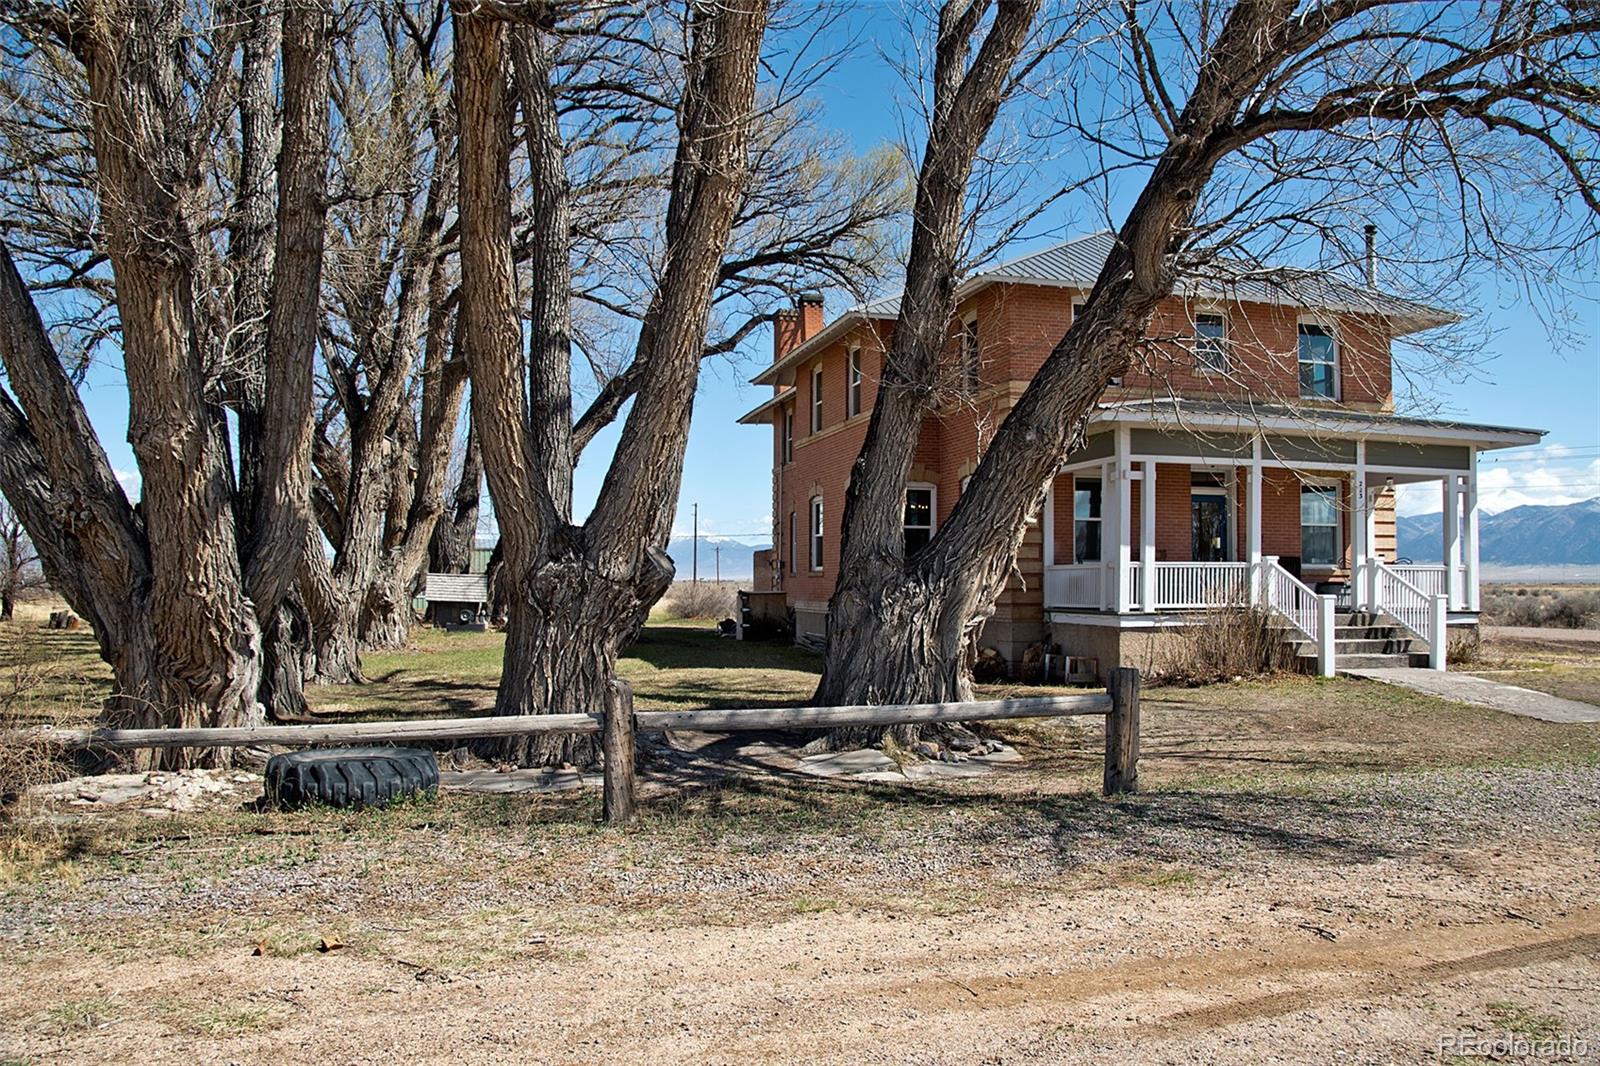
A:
[350, 777]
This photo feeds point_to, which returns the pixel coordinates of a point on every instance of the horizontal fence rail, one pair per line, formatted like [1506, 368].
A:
[1119, 704]
[709, 721]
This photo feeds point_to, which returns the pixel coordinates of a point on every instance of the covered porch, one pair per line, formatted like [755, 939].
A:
[1182, 506]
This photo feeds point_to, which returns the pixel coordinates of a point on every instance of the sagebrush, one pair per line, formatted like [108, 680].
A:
[703, 599]
[1541, 607]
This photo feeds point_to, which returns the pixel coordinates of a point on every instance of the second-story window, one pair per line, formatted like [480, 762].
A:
[816, 400]
[1319, 362]
[969, 353]
[792, 549]
[919, 518]
[852, 386]
[1211, 343]
[816, 532]
[788, 435]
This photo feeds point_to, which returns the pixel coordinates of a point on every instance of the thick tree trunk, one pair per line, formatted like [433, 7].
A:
[454, 537]
[7, 607]
[386, 618]
[565, 631]
[286, 662]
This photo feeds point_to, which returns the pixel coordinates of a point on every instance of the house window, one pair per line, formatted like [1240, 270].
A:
[792, 539]
[816, 532]
[788, 435]
[852, 377]
[919, 517]
[816, 400]
[1319, 525]
[969, 353]
[1319, 362]
[1211, 343]
[1086, 520]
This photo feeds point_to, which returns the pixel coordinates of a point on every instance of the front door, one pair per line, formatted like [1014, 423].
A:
[1210, 524]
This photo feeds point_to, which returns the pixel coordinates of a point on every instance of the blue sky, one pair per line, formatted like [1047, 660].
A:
[1522, 381]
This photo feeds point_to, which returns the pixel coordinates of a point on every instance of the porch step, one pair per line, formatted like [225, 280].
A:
[1341, 648]
[1308, 662]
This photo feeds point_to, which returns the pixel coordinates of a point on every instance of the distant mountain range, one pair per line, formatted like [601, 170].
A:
[737, 556]
[1531, 535]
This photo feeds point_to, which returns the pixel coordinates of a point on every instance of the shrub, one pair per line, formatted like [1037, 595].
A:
[1225, 643]
[1540, 608]
[707, 599]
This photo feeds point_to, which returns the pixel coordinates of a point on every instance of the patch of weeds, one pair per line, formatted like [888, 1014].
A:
[1167, 877]
[90, 1013]
[230, 1019]
[1524, 1021]
[814, 905]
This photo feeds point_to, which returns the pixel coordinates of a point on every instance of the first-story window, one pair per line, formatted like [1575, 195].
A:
[919, 518]
[788, 435]
[816, 532]
[792, 549]
[1319, 525]
[1211, 343]
[1319, 362]
[1086, 520]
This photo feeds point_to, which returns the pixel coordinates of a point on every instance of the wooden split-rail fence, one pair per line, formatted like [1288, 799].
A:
[619, 724]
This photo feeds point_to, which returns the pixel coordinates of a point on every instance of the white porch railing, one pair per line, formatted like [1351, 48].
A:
[1434, 580]
[1310, 614]
[1423, 614]
[1078, 585]
[1186, 586]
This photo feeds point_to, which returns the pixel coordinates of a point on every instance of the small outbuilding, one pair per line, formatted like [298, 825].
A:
[457, 601]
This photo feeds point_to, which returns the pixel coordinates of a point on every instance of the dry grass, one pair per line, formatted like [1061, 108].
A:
[705, 599]
[1541, 606]
[1228, 643]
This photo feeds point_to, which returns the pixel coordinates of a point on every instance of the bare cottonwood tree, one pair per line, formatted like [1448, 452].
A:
[581, 591]
[176, 591]
[19, 563]
[1493, 106]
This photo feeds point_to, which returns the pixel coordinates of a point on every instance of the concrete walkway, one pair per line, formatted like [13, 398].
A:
[1465, 688]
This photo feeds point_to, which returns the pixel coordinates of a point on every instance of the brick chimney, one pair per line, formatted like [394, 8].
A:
[794, 326]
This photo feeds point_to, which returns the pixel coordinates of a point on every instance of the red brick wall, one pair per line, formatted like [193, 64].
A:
[1018, 326]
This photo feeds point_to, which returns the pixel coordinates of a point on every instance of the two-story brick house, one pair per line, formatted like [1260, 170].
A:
[1250, 456]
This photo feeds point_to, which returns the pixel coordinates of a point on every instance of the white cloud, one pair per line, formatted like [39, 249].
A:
[1550, 475]
[130, 482]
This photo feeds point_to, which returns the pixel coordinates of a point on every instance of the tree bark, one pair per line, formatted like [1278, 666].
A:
[455, 536]
[876, 595]
[578, 594]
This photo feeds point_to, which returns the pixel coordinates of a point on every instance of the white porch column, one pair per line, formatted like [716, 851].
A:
[1147, 536]
[1470, 533]
[1253, 507]
[1451, 530]
[1108, 535]
[1360, 541]
[1124, 489]
[1047, 551]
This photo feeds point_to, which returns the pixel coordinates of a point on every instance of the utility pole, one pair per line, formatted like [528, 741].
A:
[694, 560]
[717, 549]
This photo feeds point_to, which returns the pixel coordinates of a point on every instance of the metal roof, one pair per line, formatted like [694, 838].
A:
[753, 417]
[1307, 419]
[1077, 264]
[456, 588]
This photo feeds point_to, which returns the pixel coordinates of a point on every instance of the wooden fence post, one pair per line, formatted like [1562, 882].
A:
[1122, 732]
[617, 743]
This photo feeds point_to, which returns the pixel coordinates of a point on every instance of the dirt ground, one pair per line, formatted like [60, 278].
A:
[1314, 871]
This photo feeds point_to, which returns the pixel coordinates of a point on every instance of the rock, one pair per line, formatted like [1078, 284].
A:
[927, 749]
[963, 741]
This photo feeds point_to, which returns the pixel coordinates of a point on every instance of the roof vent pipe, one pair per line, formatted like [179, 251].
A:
[1372, 255]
